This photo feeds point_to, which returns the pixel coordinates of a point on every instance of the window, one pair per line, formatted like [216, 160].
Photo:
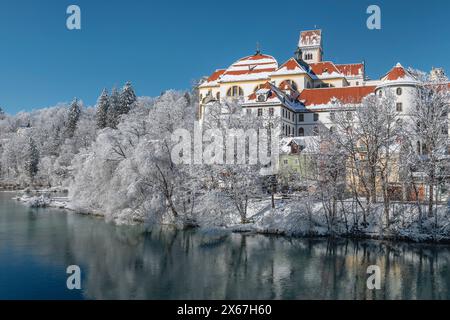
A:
[271, 112]
[332, 129]
[399, 107]
[308, 56]
[292, 84]
[316, 131]
[399, 91]
[349, 116]
[235, 91]
[218, 95]
[301, 117]
[332, 116]
[201, 97]
[285, 161]
[249, 111]
[357, 83]
[301, 132]
[316, 117]
[260, 112]
[380, 93]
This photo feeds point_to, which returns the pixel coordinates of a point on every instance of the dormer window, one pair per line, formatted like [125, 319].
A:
[262, 95]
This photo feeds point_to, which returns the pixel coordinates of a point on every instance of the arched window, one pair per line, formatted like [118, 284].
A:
[301, 132]
[308, 56]
[399, 91]
[380, 93]
[218, 95]
[291, 83]
[235, 91]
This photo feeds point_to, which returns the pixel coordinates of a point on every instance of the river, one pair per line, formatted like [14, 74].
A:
[137, 262]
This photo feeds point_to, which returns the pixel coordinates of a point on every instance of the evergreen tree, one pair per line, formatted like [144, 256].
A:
[102, 110]
[31, 165]
[74, 116]
[127, 99]
[114, 109]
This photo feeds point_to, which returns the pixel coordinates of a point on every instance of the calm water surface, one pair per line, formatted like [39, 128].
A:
[117, 262]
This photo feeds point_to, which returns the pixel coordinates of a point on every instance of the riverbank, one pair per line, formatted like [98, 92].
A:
[291, 218]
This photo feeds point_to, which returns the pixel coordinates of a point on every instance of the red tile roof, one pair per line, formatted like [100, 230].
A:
[291, 64]
[256, 57]
[323, 68]
[345, 95]
[353, 69]
[396, 73]
[215, 75]
[250, 71]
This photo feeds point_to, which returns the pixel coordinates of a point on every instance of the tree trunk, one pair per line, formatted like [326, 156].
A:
[430, 200]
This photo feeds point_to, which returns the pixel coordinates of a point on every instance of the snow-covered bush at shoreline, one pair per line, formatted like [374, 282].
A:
[290, 217]
[44, 201]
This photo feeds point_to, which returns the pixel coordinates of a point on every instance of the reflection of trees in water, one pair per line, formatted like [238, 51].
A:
[163, 263]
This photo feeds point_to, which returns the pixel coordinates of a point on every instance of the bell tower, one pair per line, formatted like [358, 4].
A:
[310, 46]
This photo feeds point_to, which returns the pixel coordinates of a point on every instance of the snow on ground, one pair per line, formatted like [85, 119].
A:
[292, 218]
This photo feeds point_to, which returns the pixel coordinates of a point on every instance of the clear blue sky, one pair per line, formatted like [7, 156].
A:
[167, 44]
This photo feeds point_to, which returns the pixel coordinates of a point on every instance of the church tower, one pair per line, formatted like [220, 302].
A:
[310, 46]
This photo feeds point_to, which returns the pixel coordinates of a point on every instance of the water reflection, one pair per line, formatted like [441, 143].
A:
[164, 263]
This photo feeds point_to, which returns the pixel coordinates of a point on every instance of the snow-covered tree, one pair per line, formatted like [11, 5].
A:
[428, 133]
[368, 135]
[102, 110]
[31, 159]
[73, 117]
[127, 99]
[114, 109]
